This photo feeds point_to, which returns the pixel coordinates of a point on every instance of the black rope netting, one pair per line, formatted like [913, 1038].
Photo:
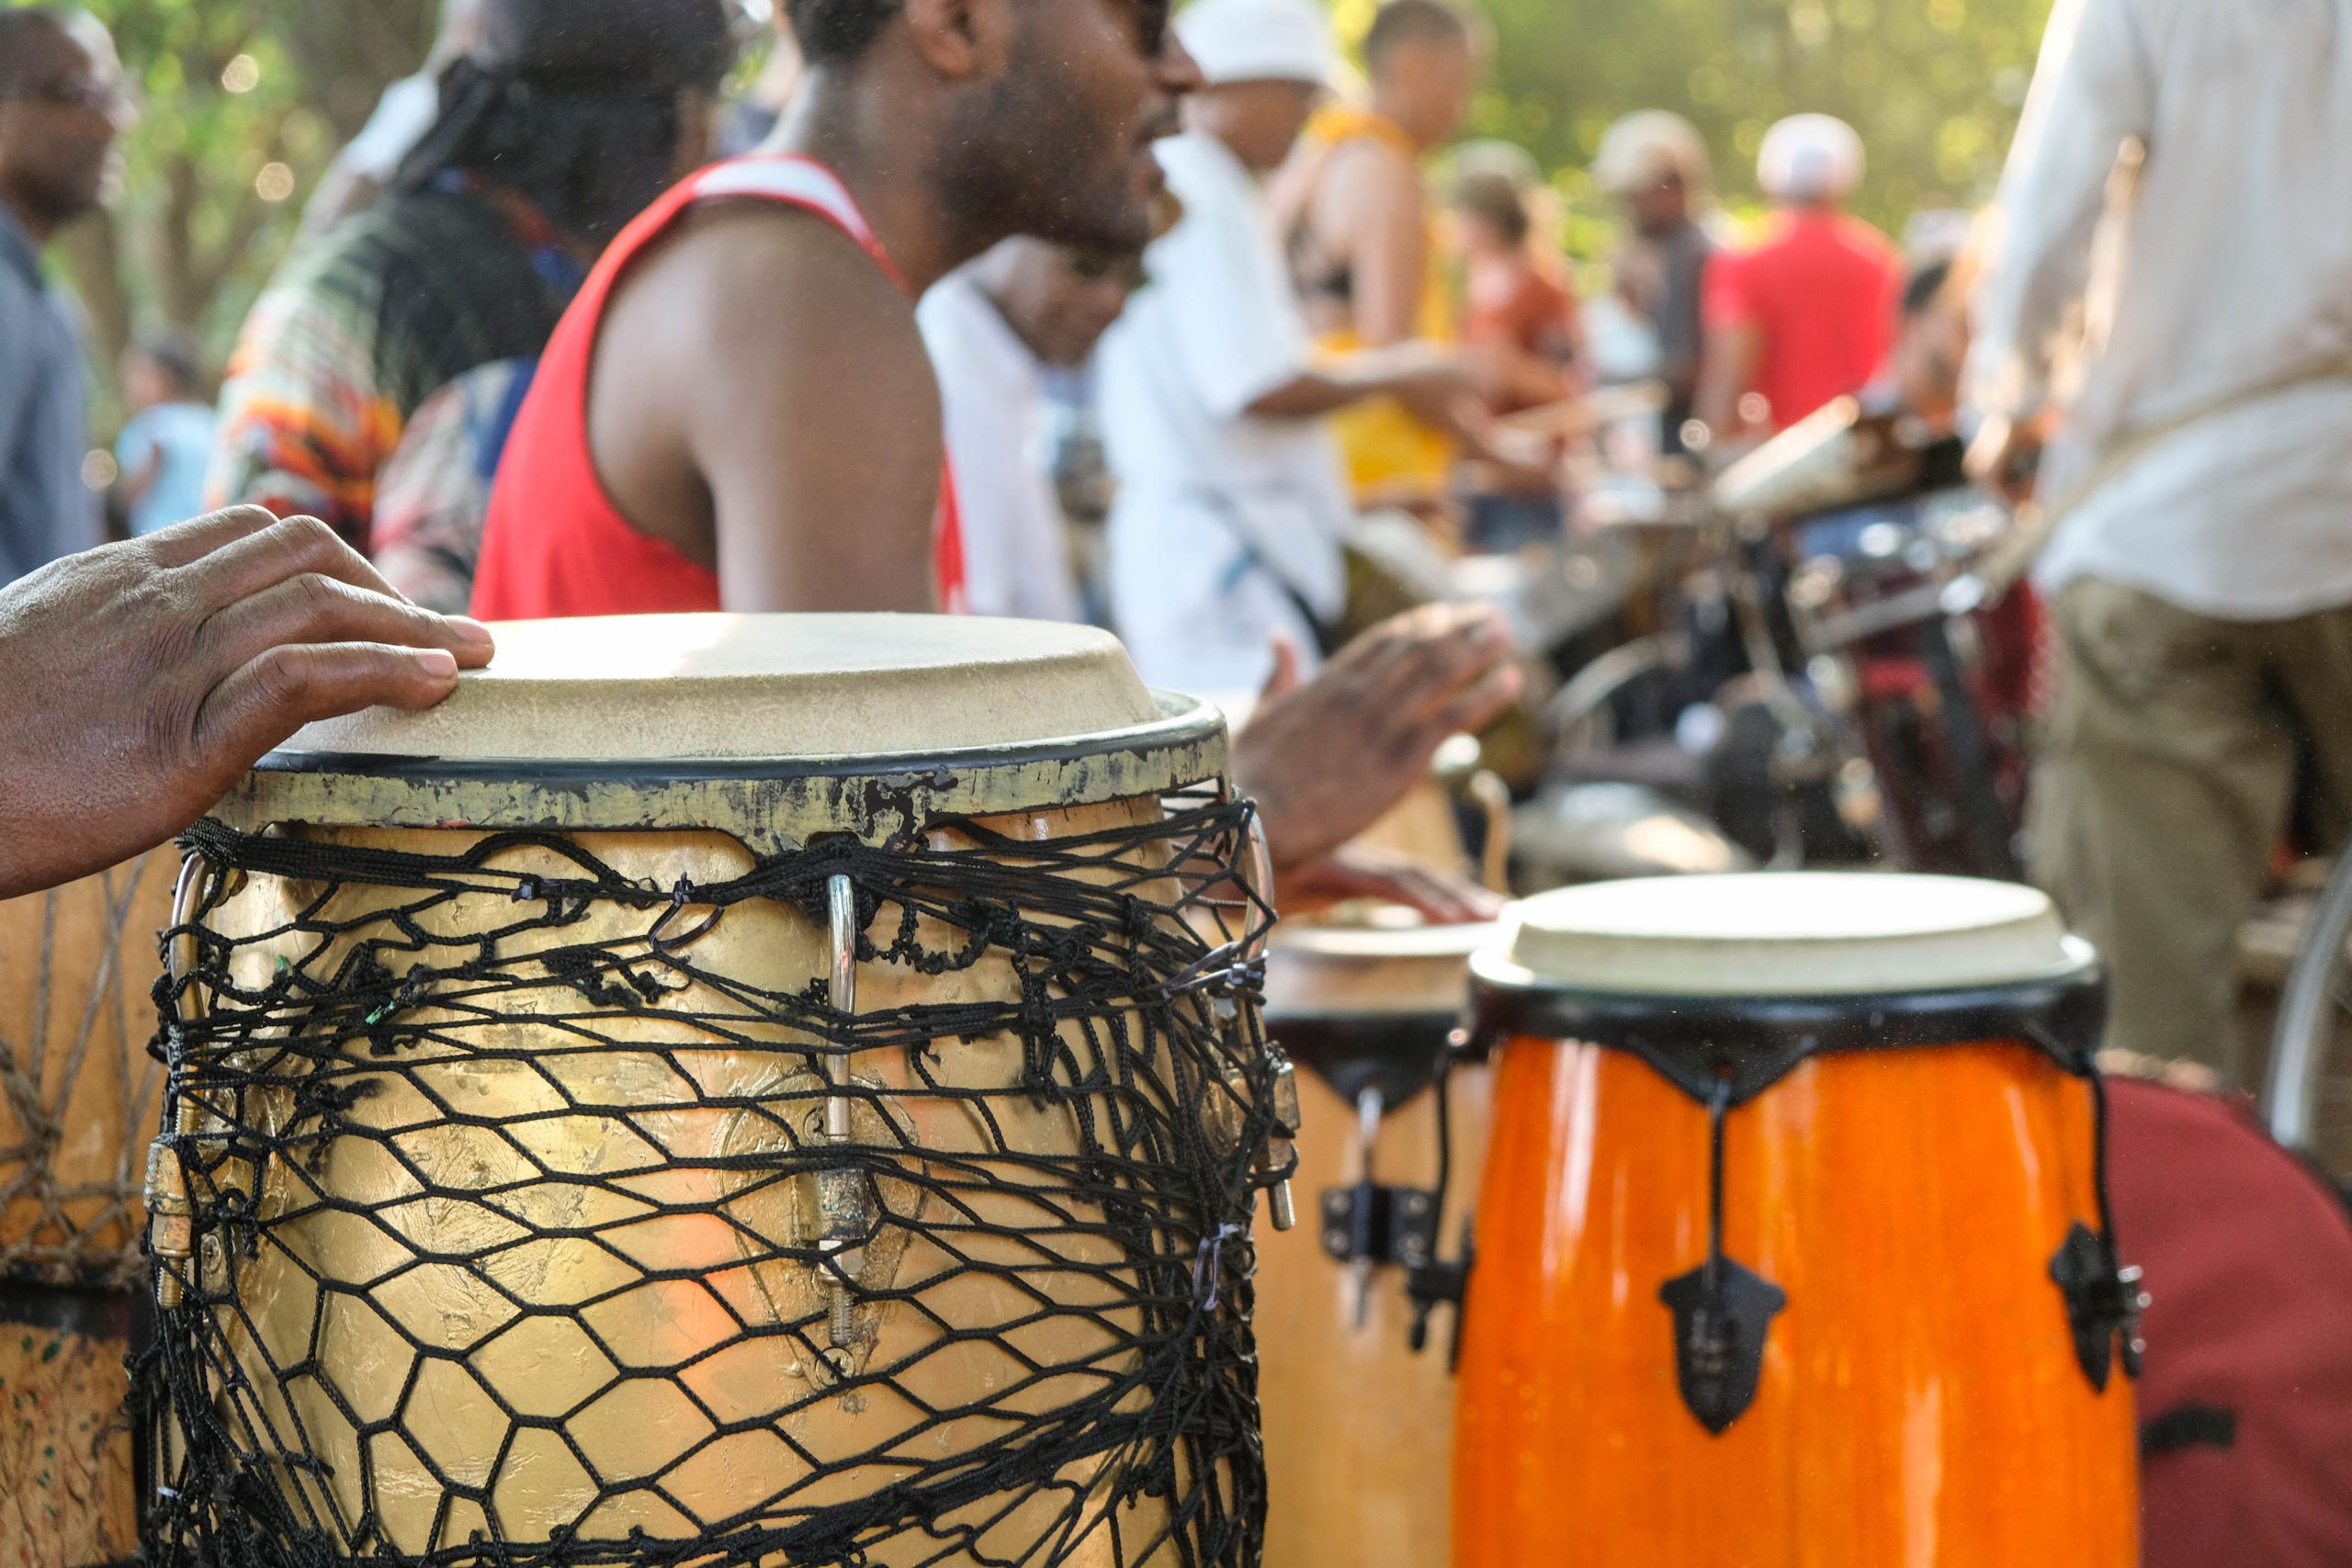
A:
[538, 1214]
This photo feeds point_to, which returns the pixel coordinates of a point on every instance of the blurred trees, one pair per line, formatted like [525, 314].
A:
[243, 105]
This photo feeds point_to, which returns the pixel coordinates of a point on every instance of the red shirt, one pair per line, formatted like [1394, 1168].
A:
[1823, 293]
[554, 545]
[1520, 306]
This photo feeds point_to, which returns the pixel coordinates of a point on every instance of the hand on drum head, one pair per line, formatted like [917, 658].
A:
[139, 682]
[1388, 878]
[1326, 759]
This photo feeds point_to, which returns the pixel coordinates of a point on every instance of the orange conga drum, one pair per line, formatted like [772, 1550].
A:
[1359, 1425]
[1793, 1245]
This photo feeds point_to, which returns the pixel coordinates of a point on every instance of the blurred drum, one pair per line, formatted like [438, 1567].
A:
[81, 1096]
[1794, 1247]
[1359, 1427]
[728, 1091]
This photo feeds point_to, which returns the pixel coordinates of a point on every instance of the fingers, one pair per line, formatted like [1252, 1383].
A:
[317, 609]
[1284, 679]
[277, 693]
[186, 542]
[1482, 704]
[243, 564]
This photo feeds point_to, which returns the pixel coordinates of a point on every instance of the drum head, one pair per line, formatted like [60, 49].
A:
[1802, 934]
[645, 688]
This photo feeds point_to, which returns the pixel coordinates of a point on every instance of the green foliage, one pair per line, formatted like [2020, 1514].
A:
[1935, 86]
[244, 105]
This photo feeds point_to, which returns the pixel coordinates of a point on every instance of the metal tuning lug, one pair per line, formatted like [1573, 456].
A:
[2104, 1304]
[845, 1198]
[1280, 1152]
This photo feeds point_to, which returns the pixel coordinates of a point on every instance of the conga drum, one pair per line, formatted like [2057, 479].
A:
[723, 1092]
[79, 1097]
[1358, 1423]
[1793, 1245]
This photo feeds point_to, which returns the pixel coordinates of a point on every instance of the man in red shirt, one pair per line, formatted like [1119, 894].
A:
[1807, 316]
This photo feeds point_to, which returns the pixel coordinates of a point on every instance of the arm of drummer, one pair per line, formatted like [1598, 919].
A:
[2093, 100]
[140, 681]
[805, 401]
[1328, 759]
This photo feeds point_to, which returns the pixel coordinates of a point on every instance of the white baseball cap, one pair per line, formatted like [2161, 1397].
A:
[1650, 148]
[1259, 41]
[1810, 157]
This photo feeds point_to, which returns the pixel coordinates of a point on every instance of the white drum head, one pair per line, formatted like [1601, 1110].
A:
[1802, 934]
[718, 688]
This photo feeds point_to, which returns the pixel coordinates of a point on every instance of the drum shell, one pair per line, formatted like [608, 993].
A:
[1359, 1429]
[76, 966]
[681, 1330]
[1921, 1399]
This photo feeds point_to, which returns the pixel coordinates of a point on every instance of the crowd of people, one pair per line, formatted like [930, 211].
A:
[544, 351]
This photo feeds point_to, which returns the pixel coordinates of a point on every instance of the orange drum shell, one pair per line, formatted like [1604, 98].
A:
[1921, 1402]
[1359, 1429]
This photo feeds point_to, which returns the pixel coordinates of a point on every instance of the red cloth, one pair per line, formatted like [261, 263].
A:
[1823, 292]
[1520, 306]
[2248, 1258]
[554, 545]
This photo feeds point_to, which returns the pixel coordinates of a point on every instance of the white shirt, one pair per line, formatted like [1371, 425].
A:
[1225, 525]
[2207, 455]
[992, 391]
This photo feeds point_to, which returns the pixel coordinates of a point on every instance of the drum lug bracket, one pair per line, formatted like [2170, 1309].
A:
[1372, 1223]
[2104, 1302]
[1721, 1314]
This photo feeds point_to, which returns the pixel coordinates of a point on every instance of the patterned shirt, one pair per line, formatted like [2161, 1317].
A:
[360, 328]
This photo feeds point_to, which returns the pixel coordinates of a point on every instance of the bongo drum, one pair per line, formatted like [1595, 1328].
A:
[81, 1098]
[1359, 1427]
[1793, 1245]
[724, 1090]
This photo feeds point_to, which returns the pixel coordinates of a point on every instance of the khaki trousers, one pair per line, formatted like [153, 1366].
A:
[2166, 782]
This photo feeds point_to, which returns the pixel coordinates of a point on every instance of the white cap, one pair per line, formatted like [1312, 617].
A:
[1259, 41]
[1650, 148]
[1810, 157]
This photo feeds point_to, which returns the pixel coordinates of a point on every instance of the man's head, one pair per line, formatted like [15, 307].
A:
[1057, 300]
[161, 368]
[590, 109]
[63, 105]
[1656, 165]
[1030, 116]
[1810, 160]
[1424, 57]
[1263, 64]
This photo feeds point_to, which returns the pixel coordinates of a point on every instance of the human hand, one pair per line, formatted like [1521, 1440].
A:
[1361, 873]
[140, 681]
[2006, 459]
[1326, 759]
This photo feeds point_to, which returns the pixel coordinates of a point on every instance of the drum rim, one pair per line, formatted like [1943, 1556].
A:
[1753, 1042]
[769, 804]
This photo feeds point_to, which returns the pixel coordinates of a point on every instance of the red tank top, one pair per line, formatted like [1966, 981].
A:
[554, 544]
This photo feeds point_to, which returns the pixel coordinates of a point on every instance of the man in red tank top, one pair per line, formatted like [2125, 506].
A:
[738, 413]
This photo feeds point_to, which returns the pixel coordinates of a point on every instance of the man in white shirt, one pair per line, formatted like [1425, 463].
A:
[1233, 498]
[2175, 279]
[995, 328]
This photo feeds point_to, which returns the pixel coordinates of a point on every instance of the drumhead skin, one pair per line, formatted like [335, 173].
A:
[644, 688]
[772, 729]
[1788, 934]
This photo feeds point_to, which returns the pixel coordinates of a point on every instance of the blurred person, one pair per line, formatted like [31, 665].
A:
[565, 120]
[63, 105]
[1232, 507]
[139, 681]
[761, 374]
[1355, 211]
[2200, 476]
[1806, 316]
[996, 328]
[1925, 371]
[1522, 327]
[167, 441]
[368, 162]
[1656, 165]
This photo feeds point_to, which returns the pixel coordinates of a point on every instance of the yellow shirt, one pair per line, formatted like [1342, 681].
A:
[1390, 454]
